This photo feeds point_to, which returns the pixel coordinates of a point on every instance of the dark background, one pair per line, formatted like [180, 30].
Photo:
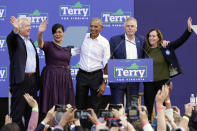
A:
[170, 16]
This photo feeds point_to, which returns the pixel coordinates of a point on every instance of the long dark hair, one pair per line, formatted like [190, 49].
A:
[160, 36]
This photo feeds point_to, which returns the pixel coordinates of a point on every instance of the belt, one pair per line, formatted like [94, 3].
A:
[30, 74]
[55, 66]
[89, 73]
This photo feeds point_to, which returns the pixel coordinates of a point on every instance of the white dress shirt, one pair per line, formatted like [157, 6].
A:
[75, 51]
[94, 53]
[31, 56]
[131, 50]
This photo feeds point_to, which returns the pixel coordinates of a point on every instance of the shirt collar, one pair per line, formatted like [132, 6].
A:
[98, 38]
[126, 38]
[28, 38]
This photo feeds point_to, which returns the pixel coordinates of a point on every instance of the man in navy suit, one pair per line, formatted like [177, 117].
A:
[24, 69]
[126, 46]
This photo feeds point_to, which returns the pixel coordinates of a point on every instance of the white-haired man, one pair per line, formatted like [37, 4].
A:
[126, 46]
[24, 69]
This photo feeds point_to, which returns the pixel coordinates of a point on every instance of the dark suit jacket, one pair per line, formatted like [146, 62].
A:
[18, 56]
[170, 56]
[118, 50]
[118, 46]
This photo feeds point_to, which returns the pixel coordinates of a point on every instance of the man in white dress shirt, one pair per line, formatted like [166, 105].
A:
[128, 45]
[95, 52]
[24, 69]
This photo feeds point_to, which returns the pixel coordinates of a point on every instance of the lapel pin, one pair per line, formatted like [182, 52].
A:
[167, 52]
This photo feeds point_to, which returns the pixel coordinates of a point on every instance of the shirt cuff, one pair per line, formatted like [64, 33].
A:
[105, 76]
[59, 127]
[75, 51]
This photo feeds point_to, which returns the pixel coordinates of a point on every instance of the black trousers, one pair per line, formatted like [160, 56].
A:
[150, 91]
[19, 107]
[88, 81]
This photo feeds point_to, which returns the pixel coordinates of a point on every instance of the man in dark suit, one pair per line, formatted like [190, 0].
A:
[126, 46]
[24, 69]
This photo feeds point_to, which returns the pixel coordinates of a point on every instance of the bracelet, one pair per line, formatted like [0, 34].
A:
[72, 126]
[35, 109]
[43, 123]
[98, 123]
[186, 117]
[145, 123]
[105, 76]
[159, 107]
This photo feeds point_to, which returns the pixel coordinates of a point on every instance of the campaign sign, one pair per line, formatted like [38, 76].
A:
[130, 70]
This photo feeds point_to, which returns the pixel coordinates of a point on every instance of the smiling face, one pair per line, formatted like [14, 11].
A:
[25, 28]
[130, 28]
[95, 28]
[153, 39]
[58, 35]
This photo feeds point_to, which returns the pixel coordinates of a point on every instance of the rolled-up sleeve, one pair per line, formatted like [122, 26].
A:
[106, 54]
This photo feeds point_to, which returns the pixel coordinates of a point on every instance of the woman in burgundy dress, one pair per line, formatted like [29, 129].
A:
[56, 80]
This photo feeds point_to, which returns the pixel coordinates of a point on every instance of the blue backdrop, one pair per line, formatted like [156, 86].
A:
[67, 12]
[168, 15]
